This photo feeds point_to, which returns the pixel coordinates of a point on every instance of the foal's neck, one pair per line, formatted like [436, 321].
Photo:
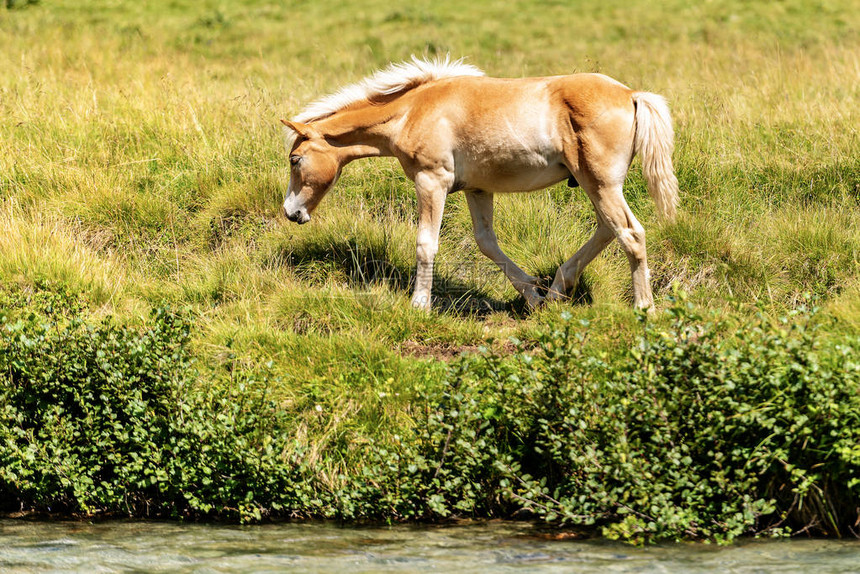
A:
[365, 130]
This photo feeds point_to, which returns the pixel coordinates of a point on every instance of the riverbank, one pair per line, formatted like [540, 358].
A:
[703, 427]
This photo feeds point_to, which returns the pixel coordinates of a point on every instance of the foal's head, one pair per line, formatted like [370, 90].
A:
[314, 169]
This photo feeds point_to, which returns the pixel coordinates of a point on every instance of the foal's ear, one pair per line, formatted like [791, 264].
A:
[303, 130]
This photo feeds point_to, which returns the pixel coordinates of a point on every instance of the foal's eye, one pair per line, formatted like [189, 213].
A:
[295, 159]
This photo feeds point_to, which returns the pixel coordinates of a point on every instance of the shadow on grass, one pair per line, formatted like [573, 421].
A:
[463, 289]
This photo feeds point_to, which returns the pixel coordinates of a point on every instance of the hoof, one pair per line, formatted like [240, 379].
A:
[421, 302]
[553, 296]
[533, 299]
[647, 306]
[556, 293]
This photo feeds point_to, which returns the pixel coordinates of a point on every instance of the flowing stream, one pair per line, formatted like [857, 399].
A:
[131, 546]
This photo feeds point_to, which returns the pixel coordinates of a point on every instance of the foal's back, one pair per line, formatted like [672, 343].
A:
[483, 96]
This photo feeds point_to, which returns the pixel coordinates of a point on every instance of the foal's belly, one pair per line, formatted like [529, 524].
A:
[507, 171]
[510, 152]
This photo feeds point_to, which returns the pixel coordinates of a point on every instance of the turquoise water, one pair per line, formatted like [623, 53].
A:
[128, 546]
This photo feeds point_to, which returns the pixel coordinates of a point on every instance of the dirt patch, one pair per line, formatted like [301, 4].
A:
[443, 352]
[447, 351]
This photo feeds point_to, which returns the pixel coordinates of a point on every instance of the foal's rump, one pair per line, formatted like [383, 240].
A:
[610, 123]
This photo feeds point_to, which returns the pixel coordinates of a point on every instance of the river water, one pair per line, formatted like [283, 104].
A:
[128, 546]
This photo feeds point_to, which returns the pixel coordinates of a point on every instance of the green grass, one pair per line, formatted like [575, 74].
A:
[141, 161]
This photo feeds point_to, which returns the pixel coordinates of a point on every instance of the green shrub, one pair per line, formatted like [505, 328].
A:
[108, 418]
[700, 428]
[695, 428]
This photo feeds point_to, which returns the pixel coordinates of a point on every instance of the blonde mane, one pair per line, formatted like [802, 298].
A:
[393, 79]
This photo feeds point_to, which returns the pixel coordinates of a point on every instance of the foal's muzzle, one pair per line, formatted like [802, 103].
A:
[300, 216]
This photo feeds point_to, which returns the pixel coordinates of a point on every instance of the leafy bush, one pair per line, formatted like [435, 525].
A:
[697, 428]
[701, 428]
[109, 418]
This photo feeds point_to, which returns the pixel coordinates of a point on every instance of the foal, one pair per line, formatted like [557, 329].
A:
[453, 129]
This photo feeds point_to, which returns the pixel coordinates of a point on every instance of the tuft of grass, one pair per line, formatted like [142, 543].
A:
[44, 250]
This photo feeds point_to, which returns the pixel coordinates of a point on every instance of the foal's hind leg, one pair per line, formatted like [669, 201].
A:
[613, 210]
[481, 208]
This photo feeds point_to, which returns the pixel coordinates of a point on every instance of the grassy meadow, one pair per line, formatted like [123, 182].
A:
[141, 164]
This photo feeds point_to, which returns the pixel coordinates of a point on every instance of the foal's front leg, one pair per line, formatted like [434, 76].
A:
[432, 189]
[481, 208]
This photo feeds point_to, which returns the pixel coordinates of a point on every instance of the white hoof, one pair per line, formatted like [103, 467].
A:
[647, 306]
[421, 301]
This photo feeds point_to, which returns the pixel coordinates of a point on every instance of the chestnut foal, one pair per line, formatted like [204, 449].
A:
[454, 129]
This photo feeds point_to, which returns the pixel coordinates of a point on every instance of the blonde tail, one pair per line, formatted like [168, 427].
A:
[654, 141]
